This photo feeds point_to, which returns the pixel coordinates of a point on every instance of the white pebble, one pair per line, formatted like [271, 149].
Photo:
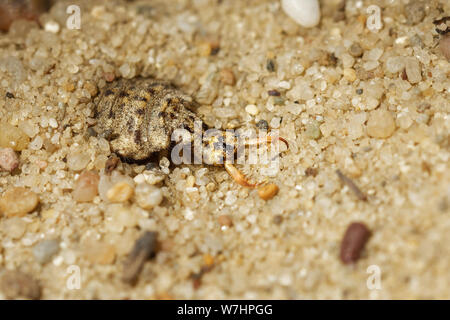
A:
[252, 109]
[52, 27]
[304, 12]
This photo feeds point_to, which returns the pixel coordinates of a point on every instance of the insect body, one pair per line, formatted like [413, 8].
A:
[138, 117]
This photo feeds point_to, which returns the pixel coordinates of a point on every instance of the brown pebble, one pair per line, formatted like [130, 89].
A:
[111, 163]
[8, 159]
[17, 285]
[109, 76]
[227, 77]
[18, 201]
[86, 187]
[277, 219]
[225, 220]
[274, 93]
[268, 191]
[444, 44]
[144, 248]
[349, 182]
[355, 50]
[353, 243]
[311, 172]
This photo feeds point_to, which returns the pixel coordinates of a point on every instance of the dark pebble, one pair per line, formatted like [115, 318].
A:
[311, 172]
[9, 95]
[353, 243]
[262, 125]
[359, 91]
[144, 249]
[270, 65]
[111, 164]
[274, 93]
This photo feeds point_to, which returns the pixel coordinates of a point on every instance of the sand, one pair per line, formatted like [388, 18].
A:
[374, 105]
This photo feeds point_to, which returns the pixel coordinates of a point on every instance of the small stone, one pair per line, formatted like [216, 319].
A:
[52, 26]
[45, 250]
[111, 164]
[77, 161]
[120, 192]
[14, 227]
[313, 130]
[270, 65]
[305, 12]
[350, 74]
[252, 109]
[415, 12]
[227, 77]
[381, 124]
[13, 137]
[91, 88]
[274, 93]
[225, 220]
[100, 253]
[268, 191]
[8, 159]
[262, 125]
[144, 249]
[19, 285]
[355, 50]
[353, 243]
[395, 64]
[148, 196]
[9, 95]
[86, 187]
[109, 76]
[444, 44]
[413, 71]
[18, 201]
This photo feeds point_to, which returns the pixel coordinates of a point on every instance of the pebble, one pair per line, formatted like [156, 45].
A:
[305, 12]
[14, 227]
[144, 249]
[415, 12]
[262, 125]
[381, 124]
[45, 250]
[18, 201]
[111, 164]
[252, 109]
[100, 253]
[120, 192]
[413, 71]
[353, 243]
[225, 220]
[227, 77]
[148, 196]
[19, 285]
[355, 50]
[52, 26]
[313, 130]
[86, 187]
[13, 137]
[8, 159]
[350, 74]
[444, 44]
[268, 191]
[77, 161]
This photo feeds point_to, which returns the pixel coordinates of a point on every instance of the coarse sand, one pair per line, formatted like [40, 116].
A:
[370, 104]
